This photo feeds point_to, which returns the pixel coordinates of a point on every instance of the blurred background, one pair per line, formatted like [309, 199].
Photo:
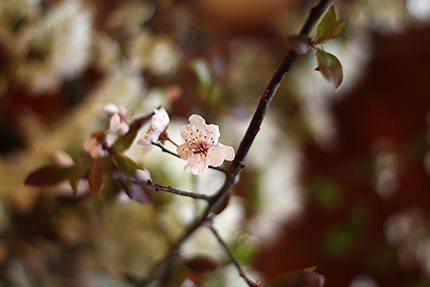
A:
[335, 179]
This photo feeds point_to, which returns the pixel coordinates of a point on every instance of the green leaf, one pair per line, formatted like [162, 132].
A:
[339, 242]
[125, 164]
[123, 143]
[329, 27]
[78, 172]
[95, 176]
[330, 67]
[299, 278]
[48, 175]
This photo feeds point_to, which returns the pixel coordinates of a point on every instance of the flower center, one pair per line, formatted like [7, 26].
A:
[200, 147]
[200, 143]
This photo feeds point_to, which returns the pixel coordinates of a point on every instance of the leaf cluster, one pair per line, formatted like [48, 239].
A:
[95, 170]
[328, 64]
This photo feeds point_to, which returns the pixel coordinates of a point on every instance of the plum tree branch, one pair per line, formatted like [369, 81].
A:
[232, 172]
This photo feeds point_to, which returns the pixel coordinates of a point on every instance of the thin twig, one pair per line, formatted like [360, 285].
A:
[164, 149]
[231, 255]
[169, 189]
[170, 140]
[178, 192]
[237, 164]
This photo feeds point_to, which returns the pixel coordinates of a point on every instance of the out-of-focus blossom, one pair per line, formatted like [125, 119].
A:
[201, 148]
[63, 158]
[130, 16]
[118, 121]
[387, 169]
[57, 47]
[159, 122]
[94, 145]
[158, 54]
[419, 9]
[107, 51]
[363, 280]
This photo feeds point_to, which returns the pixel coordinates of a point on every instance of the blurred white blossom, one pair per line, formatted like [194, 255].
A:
[58, 47]
[130, 16]
[159, 122]
[157, 53]
[94, 145]
[419, 9]
[118, 121]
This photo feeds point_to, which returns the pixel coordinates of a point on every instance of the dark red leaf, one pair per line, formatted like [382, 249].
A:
[330, 67]
[299, 278]
[95, 176]
[201, 264]
[48, 175]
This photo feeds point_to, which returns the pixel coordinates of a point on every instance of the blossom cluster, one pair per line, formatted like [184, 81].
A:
[201, 148]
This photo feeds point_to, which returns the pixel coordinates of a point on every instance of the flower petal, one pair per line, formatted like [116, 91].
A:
[214, 131]
[146, 144]
[160, 120]
[111, 108]
[115, 123]
[218, 153]
[184, 151]
[197, 163]
[196, 120]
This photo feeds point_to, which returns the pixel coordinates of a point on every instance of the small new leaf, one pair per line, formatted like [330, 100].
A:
[95, 176]
[299, 278]
[330, 67]
[48, 175]
[123, 143]
[329, 27]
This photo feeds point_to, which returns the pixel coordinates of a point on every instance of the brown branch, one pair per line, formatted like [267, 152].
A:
[232, 257]
[176, 191]
[158, 187]
[236, 166]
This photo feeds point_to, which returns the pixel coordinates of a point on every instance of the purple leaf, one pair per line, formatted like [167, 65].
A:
[140, 192]
[95, 176]
[299, 278]
[48, 175]
[201, 264]
[330, 67]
